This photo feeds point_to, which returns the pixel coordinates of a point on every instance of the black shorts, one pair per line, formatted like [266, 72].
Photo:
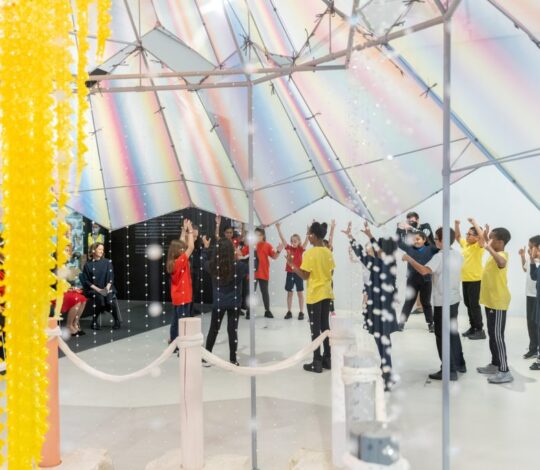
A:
[292, 281]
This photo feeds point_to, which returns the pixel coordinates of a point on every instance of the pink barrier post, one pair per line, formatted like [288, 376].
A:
[50, 453]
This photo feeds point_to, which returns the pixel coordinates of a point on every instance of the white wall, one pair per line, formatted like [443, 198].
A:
[485, 194]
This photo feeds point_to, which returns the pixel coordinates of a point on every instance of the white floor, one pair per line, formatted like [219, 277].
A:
[493, 427]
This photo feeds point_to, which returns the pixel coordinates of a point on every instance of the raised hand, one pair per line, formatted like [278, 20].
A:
[457, 222]
[218, 219]
[333, 223]
[348, 230]
[188, 225]
[471, 220]
[521, 251]
[205, 241]
[366, 230]
[280, 247]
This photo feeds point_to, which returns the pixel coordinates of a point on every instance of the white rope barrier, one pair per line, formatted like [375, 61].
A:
[352, 375]
[190, 342]
[51, 333]
[268, 369]
[85, 367]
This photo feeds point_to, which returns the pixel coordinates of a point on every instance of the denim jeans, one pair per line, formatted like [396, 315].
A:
[180, 311]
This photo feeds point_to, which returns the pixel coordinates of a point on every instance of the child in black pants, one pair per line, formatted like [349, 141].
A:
[534, 270]
[495, 297]
[417, 283]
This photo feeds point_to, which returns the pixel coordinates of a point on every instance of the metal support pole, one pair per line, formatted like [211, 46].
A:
[446, 248]
[251, 236]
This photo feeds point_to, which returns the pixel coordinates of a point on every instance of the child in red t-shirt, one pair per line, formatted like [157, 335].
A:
[178, 267]
[296, 248]
[263, 252]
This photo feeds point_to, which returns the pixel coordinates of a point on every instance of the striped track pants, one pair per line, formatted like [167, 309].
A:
[496, 323]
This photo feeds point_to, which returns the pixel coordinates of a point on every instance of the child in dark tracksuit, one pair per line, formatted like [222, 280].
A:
[416, 283]
[534, 270]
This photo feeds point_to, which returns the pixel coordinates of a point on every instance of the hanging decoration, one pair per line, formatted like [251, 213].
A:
[83, 106]
[103, 26]
[36, 148]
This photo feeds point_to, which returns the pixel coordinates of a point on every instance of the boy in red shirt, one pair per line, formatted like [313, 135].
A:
[296, 249]
[263, 252]
[178, 267]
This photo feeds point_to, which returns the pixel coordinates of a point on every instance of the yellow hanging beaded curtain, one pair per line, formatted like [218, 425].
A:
[37, 154]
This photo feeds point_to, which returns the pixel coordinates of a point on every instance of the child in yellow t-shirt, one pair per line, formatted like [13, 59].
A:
[472, 249]
[495, 297]
[316, 269]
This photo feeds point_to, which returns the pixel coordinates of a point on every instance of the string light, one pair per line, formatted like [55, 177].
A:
[163, 276]
[128, 285]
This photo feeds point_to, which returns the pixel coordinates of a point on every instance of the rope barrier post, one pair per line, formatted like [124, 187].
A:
[50, 452]
[341, 339]
[191, 394]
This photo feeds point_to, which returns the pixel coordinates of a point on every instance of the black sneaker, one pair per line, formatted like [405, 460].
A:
[431, 327]
[477, 334]
[438, 375]
[300, 316]
[315, 366]
[288, 316]
[469, 332]
[268, 314]
[401, 326]
[248, 315]
[462, 369]
[235, 363]
[529, 355]
[535, 366]
[327, 363]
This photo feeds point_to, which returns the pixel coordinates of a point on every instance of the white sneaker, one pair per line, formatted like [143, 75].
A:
[490, 369]
[501, 378]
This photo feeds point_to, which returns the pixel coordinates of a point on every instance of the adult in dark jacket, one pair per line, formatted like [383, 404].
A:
[380, 313]
[413, 226]
[417, 285]
[97, 279]
[227, 276]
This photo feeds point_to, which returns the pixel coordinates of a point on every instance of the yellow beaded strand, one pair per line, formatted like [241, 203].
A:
[36, 150]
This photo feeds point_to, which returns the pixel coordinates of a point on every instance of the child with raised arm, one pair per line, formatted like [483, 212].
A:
[495, 297]
[534, 270]
[421, 251]
[472, 249]
[178, 267]
[293, 281]
[263, 252]
[316, 269]
[227, 278]
[531, 295]
[434, 267]
[380, 312]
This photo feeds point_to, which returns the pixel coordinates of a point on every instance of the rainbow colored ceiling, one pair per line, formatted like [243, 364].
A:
[368, 135]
